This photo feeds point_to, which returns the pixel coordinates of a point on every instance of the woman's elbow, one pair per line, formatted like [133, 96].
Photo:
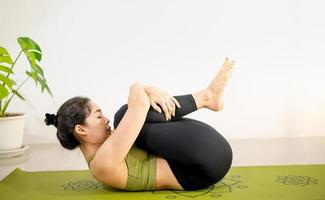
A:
[138, 96]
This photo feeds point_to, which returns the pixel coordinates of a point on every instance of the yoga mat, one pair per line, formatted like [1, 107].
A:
[285, 182]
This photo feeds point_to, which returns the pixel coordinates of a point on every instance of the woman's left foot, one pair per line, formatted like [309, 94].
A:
[215, 90]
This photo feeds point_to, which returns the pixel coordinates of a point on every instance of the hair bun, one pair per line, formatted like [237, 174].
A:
[51, 119]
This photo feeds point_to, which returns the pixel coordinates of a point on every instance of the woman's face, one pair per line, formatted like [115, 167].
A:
[96, 127]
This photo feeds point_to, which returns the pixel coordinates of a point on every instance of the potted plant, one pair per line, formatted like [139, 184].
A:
[12, 124]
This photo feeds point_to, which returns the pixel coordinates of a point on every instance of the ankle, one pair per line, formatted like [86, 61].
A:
[202, 98]
[207, 94]
[214, 100]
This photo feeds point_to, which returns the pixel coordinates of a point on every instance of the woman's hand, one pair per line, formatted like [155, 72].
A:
[166, 101]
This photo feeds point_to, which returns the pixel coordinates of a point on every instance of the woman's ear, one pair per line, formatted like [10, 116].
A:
[79, 130]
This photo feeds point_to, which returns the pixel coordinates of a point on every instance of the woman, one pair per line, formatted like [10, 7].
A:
[149, 149]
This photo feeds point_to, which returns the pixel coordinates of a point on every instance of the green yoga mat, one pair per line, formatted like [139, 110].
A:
[290, 182]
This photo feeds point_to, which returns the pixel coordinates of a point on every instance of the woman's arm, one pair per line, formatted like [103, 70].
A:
[112, 152]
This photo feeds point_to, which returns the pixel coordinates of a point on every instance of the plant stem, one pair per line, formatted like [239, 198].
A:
[7, 102]
[13, 64]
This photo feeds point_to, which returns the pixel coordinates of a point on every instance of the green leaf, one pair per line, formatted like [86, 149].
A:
[44, 85]
[4, 56]
[38, 78]
[32, 51]
[39, 70]
[6, 69]
[6, 80]
[3, 92]
[36, 54]
[5, 59]
[48, 90]
[42, 82]
[32, 75]
[28, 44]
[3, 51]
[31, 58]
[17, 93]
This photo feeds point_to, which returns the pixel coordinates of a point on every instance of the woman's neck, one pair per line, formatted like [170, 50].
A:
[88, 150]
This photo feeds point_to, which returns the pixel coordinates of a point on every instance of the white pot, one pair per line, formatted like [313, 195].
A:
[11, 132]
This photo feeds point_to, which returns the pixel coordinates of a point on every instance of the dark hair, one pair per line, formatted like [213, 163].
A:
[72, 112]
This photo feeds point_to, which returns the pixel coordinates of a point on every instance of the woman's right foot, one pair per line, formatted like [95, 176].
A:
[216, 88]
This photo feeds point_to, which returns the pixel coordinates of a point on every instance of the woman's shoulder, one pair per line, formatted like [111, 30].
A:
[116, 177]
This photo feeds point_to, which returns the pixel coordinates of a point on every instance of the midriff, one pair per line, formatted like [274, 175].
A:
[165, 179]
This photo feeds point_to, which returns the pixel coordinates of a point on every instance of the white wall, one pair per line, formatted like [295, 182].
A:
[98, 48]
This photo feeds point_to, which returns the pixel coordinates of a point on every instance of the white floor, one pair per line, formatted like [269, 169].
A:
[246, 152]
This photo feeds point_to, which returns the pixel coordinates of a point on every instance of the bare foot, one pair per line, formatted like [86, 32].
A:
[216, 88]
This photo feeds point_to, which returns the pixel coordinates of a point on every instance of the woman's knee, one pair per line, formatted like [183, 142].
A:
[119, 115]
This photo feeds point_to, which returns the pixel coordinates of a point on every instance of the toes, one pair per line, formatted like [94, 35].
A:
[229, 62]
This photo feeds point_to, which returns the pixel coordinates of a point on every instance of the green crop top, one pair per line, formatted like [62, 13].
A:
[142, 169]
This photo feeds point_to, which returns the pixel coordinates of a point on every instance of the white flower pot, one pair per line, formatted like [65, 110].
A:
[11, 132]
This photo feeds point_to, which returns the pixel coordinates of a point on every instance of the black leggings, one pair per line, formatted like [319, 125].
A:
[197, 154]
